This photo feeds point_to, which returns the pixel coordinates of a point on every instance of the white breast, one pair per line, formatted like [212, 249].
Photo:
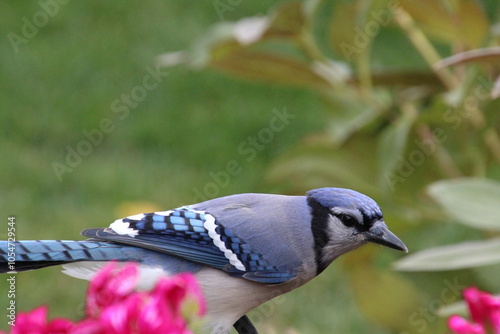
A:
[229, 298]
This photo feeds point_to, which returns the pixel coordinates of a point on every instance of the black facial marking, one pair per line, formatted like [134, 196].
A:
[319, 225]
[368, 222]
[360, 226]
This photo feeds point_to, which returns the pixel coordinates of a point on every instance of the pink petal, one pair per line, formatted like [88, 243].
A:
[125, 280]
[169, 292]
[115, 320]
[461, 326]
[194, 290]
[115, 308]
[88, 326]
[155, 317]
[476, 302]
[60, 326]
[109, 286]
[96, 297]
[175, 290]
[492, 303]
[480, 304]
[33, 322]
[495, 321]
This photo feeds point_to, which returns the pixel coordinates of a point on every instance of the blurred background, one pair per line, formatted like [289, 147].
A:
[111, 108]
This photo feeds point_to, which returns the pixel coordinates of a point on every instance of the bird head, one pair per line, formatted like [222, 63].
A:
[344, 220]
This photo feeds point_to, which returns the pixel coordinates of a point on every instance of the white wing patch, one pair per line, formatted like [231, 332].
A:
[122, 228]
[210, 226]
[161, 213]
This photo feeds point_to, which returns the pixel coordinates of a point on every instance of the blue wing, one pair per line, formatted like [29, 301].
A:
[196, 236]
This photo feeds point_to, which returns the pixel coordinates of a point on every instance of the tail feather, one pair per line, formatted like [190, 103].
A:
[35, 254]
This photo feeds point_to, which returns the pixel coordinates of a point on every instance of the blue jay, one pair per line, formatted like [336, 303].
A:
[244, 249]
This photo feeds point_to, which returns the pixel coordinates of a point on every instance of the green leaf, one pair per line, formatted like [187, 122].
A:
[256, 65]
[259, 48]
[290, 19]
[287, 20]
[453, 22]
[459, 308]
[392, 143]
[459, 256]
[472, 202]
[406, 78]
[350, 112]
[342, 33]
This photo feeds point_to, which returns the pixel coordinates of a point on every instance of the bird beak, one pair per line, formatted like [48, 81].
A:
[380, 234]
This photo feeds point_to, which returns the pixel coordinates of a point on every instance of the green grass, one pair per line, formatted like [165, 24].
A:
[63, 82]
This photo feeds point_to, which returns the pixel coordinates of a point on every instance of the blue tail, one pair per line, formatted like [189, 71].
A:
[35, 254]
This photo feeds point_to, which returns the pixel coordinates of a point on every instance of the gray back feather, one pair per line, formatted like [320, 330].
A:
[277, 226]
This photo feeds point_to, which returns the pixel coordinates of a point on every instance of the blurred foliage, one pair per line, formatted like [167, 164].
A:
[391, 98]
[407, 126]
[472, 202]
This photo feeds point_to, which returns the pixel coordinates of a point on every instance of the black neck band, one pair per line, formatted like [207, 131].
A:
[319, 226]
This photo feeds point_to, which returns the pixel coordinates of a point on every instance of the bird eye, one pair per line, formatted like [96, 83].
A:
[347, 220]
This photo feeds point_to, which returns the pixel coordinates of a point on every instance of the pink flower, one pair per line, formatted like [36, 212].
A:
[475, 300]
[88, 326]
[461, 326]
[59, 326]
[156, 318]
[113, 307]
[111, 285]
[163, 311]
[35, 322]
[495, 321]
[484, 309]
[177, 289]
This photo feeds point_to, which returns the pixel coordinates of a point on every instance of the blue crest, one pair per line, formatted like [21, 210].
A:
[346, 198]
